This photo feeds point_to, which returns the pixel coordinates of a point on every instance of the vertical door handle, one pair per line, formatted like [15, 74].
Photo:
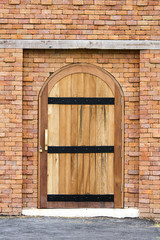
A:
[40, 149]
[46, 139]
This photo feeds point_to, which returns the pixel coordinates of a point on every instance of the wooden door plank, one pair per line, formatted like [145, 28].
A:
[103, 155]
[74, 173]
[92, 189]
[104, 180]
[92, 134]
[102, 89]
[98, 173]
[53, 140]
[86, 173]
[62, 137]
[68, 110]
[50, 177]
[74, 136]
[56, 173]
[80, 84]
[53, 174]
[105, 130]
[102, 118]
[100, 168]
[80, 156]
[110, 124]
[85, 136]
[98, 137]
[53, 132]
[80, 173]
[54, 91]
[68, 173]
[110, 173]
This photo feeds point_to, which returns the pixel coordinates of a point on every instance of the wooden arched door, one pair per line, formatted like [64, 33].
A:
[80, 140]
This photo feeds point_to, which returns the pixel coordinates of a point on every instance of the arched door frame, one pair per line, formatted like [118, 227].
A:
[119, 127]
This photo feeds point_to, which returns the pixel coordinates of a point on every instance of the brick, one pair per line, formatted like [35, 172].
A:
[155, 60]
[133, 172]
[78, 2]
[134, 135]
[39, 60]
[99, 22]
[131, 22]
[144, 200]
[110, 3]
[134, 117]
[27, 172]
[133, 154]
[142, 2]
[35, 1]
[9, 60]
[28, 79]
[14, 2]
[133, 190]
[46, 2]
[2, 135]
[156, 134]
[156, 98]
[157, 211]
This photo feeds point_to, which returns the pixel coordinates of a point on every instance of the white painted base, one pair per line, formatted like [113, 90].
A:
[83, 212]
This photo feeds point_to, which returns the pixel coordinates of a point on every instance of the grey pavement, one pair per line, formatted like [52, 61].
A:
[16, 228]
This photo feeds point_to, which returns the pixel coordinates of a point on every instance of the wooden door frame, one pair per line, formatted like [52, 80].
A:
[119, 133]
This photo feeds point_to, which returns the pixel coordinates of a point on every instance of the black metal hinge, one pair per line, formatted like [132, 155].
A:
[81, 149]
[86, 101]
[80, 198]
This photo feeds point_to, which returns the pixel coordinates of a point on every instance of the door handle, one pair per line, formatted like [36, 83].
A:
[46, 139]
[40, 149]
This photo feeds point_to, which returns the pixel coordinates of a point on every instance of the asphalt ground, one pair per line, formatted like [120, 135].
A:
[47, 228]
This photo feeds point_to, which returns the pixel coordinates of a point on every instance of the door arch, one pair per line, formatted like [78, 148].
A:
[80, 139]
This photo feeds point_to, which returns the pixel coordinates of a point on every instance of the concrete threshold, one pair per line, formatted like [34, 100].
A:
[83, 212]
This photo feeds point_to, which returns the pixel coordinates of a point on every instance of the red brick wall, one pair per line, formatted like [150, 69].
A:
[123, 65]
[11, 131]
[142, 124]
[79, 19]
[149, 165]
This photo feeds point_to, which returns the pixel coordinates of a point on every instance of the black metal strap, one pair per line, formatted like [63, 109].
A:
[81, 149]
[80, 198]
[86, 101]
